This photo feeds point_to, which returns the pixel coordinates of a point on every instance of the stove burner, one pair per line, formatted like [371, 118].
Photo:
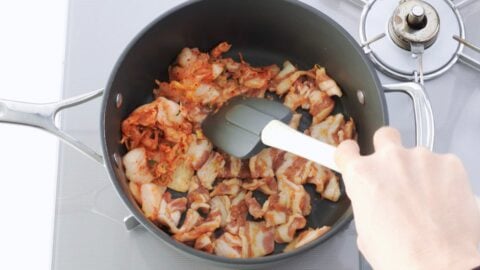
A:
[410, 44]
[414, 22]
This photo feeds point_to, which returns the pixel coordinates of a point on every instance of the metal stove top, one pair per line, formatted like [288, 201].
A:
[89, 232]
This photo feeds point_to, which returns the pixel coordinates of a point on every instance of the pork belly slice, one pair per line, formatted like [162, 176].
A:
[321, 105]
[294, 169]
[297, 95]
[295, 121]
[325, 83]
[253, 240]
[261, 165]
[221, 205]
[198, 152]
[286, 85]
[238, 213]
[232, 167]
[306, 237]
[170, 211]
[254, 208]
[229, 187]
[260, 239]
[293, 197]
[275, 217]
[252, 184]
[332, 190]
[205, 243]
[198, 196]
[266, 185]
[228, 245]
[192, 218]
[287, 68]
[274, 213]
[333, 130]
[326, 182]
[209, 171]
[210, 224]
[286, 232]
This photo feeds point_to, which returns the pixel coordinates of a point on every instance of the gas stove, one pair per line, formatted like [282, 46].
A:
[440, 54]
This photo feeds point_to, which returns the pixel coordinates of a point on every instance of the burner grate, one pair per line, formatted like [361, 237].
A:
[417, 52]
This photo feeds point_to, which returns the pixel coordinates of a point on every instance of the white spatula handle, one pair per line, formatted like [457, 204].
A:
[281, 136]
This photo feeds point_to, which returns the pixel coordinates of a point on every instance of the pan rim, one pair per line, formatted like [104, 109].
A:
[339, 225]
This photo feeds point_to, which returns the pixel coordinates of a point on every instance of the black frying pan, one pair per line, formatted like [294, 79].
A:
[265, 32]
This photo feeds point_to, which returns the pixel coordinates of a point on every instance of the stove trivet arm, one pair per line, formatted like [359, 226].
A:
[417, 51]
[366, 44]
[464, 3]
[424, 121]
[467, 43]
[469, 61]
[360, 3]
[42, 116]
[465, 58]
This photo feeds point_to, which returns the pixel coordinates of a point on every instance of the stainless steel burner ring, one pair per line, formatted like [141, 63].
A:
[412, 43]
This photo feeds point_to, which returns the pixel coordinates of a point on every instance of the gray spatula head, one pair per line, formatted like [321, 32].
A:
[237, 126]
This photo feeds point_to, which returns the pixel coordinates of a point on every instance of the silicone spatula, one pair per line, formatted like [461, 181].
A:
[244, 126]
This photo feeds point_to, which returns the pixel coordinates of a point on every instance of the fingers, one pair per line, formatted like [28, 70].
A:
[360, 245]
[346, 152]
[386, 136]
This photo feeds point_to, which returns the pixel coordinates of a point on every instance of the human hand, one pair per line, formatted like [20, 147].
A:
[413, 209]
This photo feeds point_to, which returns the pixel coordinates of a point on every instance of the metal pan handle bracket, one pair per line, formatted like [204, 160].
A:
[424, 121]
[130, 222]
[43, 115]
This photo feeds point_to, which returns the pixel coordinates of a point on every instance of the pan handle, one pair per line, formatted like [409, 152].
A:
[424, 122]
[43, 115]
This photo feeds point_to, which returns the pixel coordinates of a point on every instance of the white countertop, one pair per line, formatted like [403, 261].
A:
[32, 52]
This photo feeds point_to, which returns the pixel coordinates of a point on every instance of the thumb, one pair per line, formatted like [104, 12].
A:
[346, 152]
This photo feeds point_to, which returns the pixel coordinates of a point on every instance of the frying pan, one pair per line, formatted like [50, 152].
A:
[265, 32]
